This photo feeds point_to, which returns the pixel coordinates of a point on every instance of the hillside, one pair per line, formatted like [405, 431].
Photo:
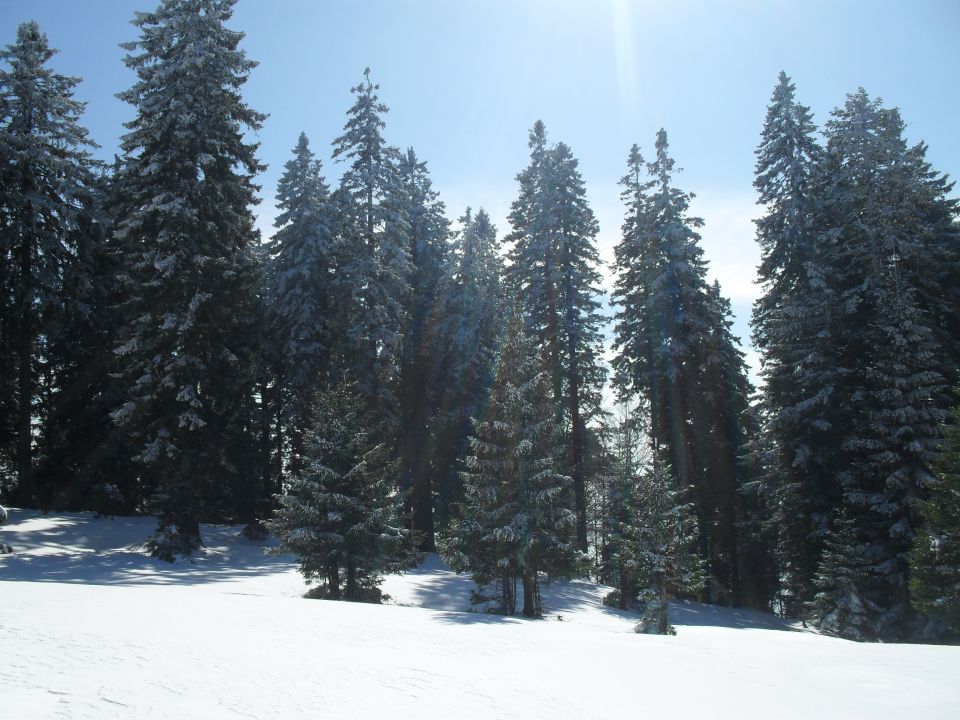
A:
[92, 628]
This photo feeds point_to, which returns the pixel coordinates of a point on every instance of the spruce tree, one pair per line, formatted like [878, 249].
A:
[45, 192]
[463, 333]
[666, 544]
[428, 229]
[340, 509]
[878, 195]
[675, 350]
[935, 559]
[517, 519]
[192, 279]
[841, 606]
[373, 255]
[554, 269]
[302, 305]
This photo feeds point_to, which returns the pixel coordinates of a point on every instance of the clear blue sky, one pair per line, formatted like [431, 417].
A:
[466, 79]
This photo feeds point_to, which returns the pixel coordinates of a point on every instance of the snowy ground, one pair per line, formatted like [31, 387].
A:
[91, 628]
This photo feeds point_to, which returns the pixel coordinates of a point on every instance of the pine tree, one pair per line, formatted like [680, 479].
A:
[301, 301]
[840, 606]
[428, 229]
[339, 512]
[935, 560]
[45, 191]
[192, 279]
[675, 350]
[554, 268]
[517, 521]
[374, 263]
[463, 332]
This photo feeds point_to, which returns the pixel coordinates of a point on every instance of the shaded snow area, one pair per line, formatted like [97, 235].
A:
[92, 628]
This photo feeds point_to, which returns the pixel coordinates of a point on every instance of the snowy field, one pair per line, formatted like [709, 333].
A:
[91, 628]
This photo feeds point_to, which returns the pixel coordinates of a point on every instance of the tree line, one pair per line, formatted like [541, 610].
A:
[374, 380]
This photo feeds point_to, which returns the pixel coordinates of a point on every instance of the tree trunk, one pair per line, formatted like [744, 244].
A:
[25, 494]
[351, 591]
[333, 579]
[531, 595]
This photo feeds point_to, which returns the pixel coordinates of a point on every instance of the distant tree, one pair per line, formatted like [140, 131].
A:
[935, 561]
[300, 297]
[193, 279]
[373, 257]
[517, 519]
[463, 333]
[428, 229]
[841, 606]
[339, 514]
[45, 204]
[675, 350]
[554, 269]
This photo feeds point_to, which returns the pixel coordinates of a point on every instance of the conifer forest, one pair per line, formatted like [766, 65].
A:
[385, 376]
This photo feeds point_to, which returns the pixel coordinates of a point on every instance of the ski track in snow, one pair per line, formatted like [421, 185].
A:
[92, 628]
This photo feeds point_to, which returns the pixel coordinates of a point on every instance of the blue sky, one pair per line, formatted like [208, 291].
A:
[466, 79]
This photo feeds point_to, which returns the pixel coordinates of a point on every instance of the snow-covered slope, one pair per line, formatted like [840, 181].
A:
[91, 628]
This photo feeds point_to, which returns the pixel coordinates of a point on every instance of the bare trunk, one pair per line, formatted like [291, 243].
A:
[531, 595]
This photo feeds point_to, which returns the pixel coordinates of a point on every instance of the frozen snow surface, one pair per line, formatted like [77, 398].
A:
[92, 628]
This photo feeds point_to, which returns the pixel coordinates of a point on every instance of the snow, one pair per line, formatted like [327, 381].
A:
[92, 628]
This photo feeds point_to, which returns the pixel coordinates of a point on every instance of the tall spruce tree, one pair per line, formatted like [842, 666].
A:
[428, 230]
[45, 192]
[300, 294]
[879, 196]
[675, 350]
[374, 256]
[193, 277]
[554, 268]
[517, 518]
[463, 333]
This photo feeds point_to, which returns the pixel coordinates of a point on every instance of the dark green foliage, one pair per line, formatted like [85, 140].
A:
[935, 561]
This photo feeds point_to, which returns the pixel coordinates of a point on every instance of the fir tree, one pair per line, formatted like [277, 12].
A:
[45, 191]
[554, 268]
[192, 278]
[301, 302]
[339, 512]
[666, 544]
[517, 521]
[428, 229]
[840, 606]
[374, 255]
[674, 348]
[935, 560]
[463, 333]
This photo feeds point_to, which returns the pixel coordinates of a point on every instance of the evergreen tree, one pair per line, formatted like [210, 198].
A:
[840, 606]
[300, 297]
[374, 255]
[666, 551]
[517, 521]
[428, 230]
[935, 560]
[676, 351]
[463, 333]
[192, 278]
[554, 268]
[45, 192]
[339, 512]
[878, 196]
[789, 329]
